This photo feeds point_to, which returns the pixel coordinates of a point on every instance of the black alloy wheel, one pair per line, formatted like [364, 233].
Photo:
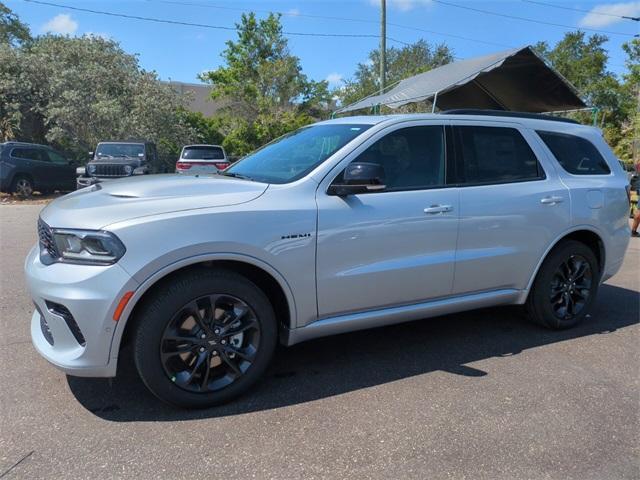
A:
[565, 287]
[209, 343]
[203, 336]
[571, 287]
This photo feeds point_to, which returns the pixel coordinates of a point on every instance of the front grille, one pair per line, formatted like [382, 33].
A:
[62, 311]
[45, 238]
[109, 170]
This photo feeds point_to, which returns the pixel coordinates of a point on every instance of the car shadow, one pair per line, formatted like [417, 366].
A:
[334, 365]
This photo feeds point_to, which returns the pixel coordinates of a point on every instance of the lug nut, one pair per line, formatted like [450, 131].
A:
[216, 331]
[215, 353]
[203, 336]
[201, 349]
[223, 341]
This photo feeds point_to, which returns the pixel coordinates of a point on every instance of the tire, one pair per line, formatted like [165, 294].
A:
[197, 370]
[22, 186]
[561, 296]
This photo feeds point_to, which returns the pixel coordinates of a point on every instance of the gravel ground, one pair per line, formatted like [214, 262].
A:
[481, 395]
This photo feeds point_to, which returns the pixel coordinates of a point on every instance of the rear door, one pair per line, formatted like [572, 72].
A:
[34, 162]
[512, 206]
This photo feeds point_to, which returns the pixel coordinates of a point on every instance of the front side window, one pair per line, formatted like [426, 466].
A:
[412, 158]
[57, 158]
[294, 155]
[489, 155]
[575, 154]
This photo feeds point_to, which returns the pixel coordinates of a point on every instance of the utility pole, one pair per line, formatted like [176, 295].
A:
[383, 44]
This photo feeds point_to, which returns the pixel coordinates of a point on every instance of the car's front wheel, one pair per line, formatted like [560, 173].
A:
[565, 287]
[204, 338]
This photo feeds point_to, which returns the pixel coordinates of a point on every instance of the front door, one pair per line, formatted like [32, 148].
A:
[390, 247]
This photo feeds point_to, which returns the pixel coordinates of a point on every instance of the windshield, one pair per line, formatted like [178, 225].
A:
[119, 150]
[203, 153]
[292, 156]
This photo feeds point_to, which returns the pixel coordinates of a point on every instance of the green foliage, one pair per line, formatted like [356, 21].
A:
[74, 92]
[12, 31]
[402, 62]
[262, 87]
[583, 61]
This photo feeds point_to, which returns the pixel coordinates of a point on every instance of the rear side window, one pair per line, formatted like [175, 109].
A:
[29, 154]
[575, 154]
[203, 153]
[489, 155]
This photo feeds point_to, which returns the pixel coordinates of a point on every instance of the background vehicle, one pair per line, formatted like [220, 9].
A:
[348, 224]
[29, 167]
[116, 160]
[202, 159]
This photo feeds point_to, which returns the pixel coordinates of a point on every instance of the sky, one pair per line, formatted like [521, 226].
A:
[180, 53]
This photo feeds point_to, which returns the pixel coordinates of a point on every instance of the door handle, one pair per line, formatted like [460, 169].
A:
[552, 200]
[433, 209]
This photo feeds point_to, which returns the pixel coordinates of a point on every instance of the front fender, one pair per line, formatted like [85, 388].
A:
[153, 278]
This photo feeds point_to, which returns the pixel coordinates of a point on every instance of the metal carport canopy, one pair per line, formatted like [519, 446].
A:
[516, 80]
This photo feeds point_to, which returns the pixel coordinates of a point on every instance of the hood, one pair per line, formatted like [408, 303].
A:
[132, 197]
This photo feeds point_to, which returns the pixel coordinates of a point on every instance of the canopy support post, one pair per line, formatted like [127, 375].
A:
[433, 104]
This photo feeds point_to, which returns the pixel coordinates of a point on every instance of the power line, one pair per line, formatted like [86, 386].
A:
[204, 25]
[328, 17]
[606, 14]
[525, 19]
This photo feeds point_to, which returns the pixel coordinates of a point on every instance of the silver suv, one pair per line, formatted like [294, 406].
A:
[339, 226]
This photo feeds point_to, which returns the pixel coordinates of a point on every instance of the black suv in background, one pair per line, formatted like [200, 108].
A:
[118, 159]
[27, 167]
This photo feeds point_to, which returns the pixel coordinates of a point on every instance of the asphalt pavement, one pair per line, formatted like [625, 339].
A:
[480, 395]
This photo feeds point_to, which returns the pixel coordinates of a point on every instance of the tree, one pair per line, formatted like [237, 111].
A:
[583, 61]
[629, 143]
[72, 92]
[262, 87]
[401, 63]
[12, 31]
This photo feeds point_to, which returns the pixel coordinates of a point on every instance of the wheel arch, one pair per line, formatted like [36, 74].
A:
[585, 234]
[262, 274]
[21, 174]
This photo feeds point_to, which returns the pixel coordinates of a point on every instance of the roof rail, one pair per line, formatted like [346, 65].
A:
[503, 113]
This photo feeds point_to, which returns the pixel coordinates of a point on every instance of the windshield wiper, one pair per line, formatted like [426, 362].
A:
[235, 175]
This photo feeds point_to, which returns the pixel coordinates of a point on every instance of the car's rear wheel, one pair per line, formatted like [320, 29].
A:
[22, 186]
[204, 338]
[565, 287]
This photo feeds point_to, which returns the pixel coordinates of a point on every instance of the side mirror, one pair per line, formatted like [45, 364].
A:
[90, 154]
[359, 177]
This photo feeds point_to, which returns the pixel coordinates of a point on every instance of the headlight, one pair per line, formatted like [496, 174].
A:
[88, 247]
[91, 169]
[128, 169]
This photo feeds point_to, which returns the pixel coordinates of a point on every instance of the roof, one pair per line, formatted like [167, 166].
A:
[533, 121]
[516, 79]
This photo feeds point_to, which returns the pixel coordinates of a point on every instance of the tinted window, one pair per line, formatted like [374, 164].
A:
[412, 158]
[203, 153]
[57, 158]
[119, 150]
[30, 154]
[292, 156]
[494, 155]
[576, 155]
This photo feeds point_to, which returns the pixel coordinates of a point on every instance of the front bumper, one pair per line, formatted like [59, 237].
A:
[90, 294]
